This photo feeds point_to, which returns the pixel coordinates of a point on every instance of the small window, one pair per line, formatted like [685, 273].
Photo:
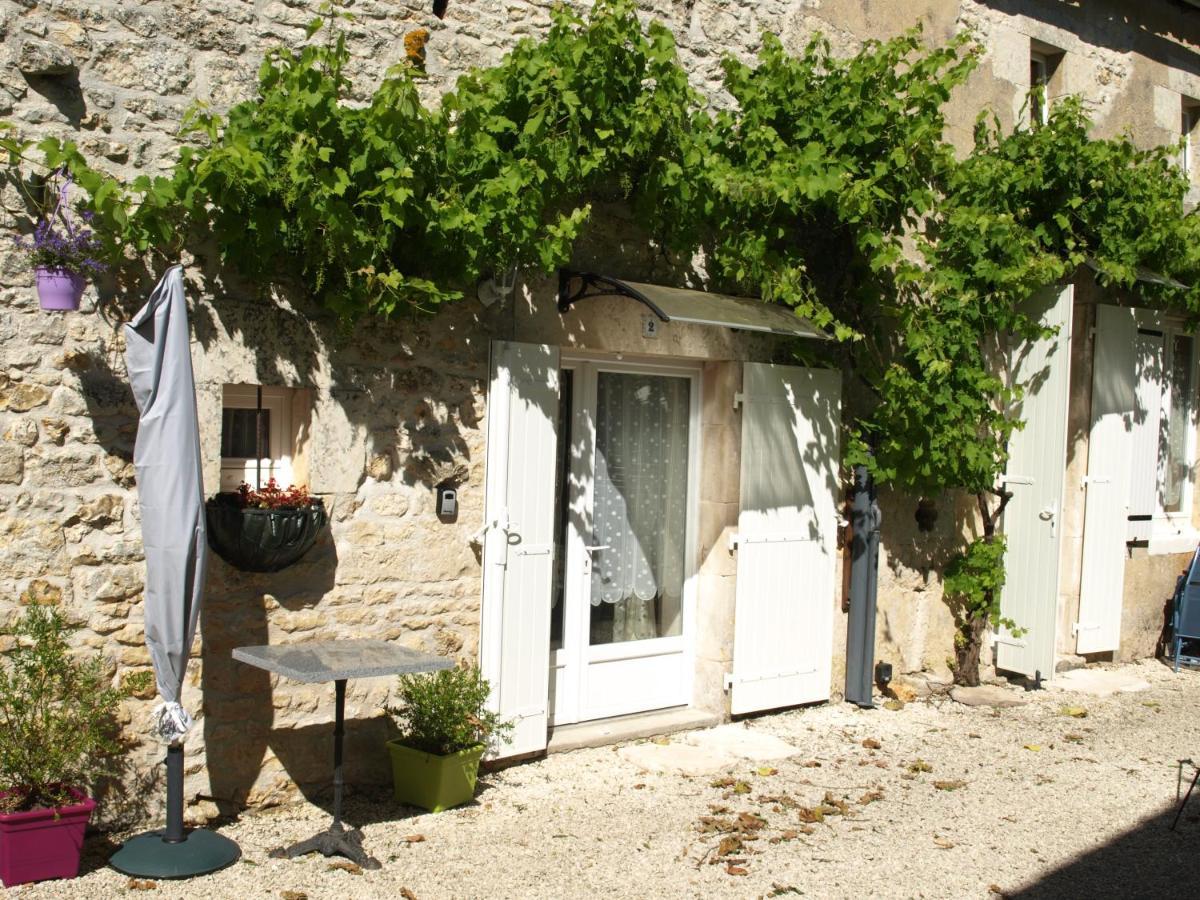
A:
[257, 440]
[1189, 118]
[1163, 424]
[1044, 62]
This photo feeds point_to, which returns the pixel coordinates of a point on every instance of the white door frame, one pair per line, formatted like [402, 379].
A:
[570, 665]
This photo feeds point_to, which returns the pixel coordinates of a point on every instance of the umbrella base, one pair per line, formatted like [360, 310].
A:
[200, 852]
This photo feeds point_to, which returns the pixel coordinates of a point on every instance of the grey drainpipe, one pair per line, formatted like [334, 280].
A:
[865, 520]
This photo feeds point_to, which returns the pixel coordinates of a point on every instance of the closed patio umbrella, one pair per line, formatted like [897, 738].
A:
[167, 459]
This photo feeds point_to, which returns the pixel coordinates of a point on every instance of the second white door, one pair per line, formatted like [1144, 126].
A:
[621, 607]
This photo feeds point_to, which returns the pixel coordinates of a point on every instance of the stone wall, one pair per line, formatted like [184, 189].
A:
[397, 408]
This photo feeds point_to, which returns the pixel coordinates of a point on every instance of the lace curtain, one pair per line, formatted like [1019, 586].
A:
[640, 506]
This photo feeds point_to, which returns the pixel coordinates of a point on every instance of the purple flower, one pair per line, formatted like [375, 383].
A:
[68, 247]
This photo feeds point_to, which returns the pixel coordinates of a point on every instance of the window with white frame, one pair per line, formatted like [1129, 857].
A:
[257, 439]
[1189, 118]
[1044, 62]
[1163, 428]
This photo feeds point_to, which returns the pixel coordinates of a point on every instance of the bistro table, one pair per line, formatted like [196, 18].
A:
[337, 661]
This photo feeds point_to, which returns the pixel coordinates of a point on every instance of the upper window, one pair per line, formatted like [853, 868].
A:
[256, 436]
[1044, 62]
[1160, 489]
[1189, 118]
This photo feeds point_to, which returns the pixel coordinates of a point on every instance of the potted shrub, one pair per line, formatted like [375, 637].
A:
[445, 727]
[264, 530]
[62, 251]
[58, 734]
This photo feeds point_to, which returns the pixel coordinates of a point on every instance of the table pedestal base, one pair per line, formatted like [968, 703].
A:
[335, 841]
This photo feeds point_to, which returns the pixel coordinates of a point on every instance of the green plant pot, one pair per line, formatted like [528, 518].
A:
[434, 782]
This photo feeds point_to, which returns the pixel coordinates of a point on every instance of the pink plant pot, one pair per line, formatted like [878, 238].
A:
[59, 289]
[43, 843]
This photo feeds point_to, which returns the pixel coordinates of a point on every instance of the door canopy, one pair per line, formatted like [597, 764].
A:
[672, 304]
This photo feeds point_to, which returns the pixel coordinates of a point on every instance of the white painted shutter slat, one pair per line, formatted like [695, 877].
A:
[1110, 445]
[787, 529]
[518, 559]
[1036, 463]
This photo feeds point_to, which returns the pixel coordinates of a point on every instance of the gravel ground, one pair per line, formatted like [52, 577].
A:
[932, 800]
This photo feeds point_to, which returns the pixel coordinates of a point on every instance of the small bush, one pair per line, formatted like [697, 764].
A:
[58, 727]
[446, 711]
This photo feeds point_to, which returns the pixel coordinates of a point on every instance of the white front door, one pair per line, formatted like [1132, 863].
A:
[620, 621]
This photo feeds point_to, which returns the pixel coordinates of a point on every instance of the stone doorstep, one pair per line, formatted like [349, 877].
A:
[627, 728]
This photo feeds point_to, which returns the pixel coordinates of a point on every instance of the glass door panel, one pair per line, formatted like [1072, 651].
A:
[639, 515]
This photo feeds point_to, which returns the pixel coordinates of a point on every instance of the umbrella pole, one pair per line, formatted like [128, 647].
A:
[174, 833]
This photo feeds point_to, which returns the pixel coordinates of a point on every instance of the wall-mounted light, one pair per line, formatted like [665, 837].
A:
[498, 287]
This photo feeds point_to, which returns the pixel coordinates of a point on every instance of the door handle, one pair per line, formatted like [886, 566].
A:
[587, 560]
[1050, 514]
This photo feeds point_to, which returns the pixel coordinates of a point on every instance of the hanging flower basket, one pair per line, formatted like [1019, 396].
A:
[62, 250]
[256, 539]
[59, 289]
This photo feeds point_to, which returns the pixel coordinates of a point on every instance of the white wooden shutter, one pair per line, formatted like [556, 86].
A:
[518, 558]
[1110, 445]
[787, 533]
[1149, 353]
[1036, 462]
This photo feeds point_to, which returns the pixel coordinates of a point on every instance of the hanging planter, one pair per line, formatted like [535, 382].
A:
[264, 531]
[61, 249]
[59, 289]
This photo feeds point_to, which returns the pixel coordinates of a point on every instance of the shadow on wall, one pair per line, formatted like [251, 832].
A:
[239, 703]
[1149, 860]
[1107, 24]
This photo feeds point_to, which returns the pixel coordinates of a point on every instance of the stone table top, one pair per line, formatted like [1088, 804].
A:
[339, 660]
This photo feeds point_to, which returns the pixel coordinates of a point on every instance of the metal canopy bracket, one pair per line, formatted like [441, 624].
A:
[589, 284]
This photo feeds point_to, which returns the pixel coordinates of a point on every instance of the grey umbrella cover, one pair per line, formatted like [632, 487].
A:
[167, 459]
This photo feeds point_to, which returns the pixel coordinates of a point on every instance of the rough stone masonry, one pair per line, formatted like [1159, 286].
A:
[394, 409]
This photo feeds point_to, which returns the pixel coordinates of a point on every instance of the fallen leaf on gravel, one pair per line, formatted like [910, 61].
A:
[639, 786]
[811, 814]
[871, 743]
[750, 822]
[740, 787]
[1075, 712]
[973, 735]
[893, 705]
[919, 765]
[870, 797]
[1152, 704]
[413, 839]
[736, 870]
[765, 771]
[811, 764]
[346, 866]
[407, 894]
[729, 845]
[141, 884]
[778, 890]
[293, 895]
[943, 843]
[952, 785]
[996, 889]
[1036, 748]
[721, 782]
[833, 806]
[717, 809]
[1073, 738]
